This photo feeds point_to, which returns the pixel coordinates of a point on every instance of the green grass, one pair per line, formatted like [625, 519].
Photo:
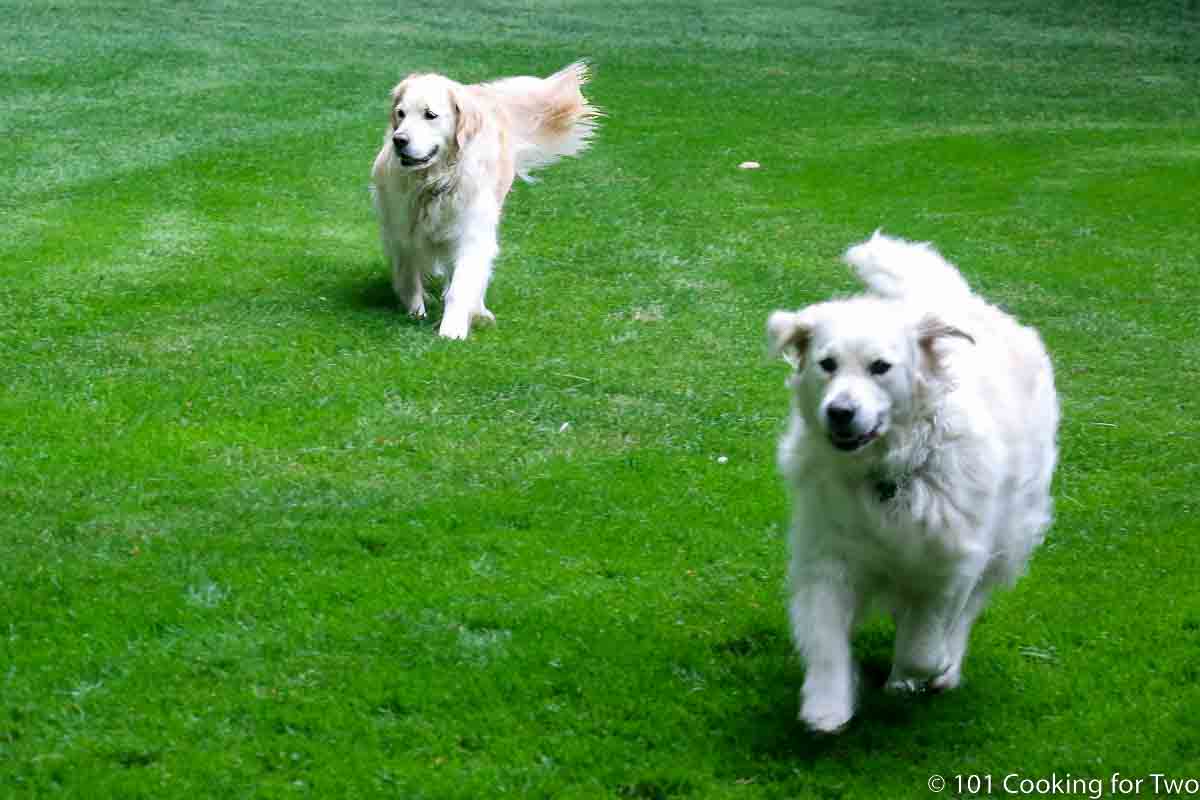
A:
[263, 537]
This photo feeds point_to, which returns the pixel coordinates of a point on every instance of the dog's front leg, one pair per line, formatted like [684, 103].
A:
[823, 610]
[464, 296]
[956, 642]
[925, 628]
[405, 257]
[407, 273]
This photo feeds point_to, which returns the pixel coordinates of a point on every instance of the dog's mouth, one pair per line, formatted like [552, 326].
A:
[848, 444]
[410, 161]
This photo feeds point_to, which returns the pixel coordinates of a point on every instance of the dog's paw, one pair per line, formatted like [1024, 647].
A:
[904, 686]
[484, 318]
[825, 717]
[455, 327]
[948, 680]
[417, 311]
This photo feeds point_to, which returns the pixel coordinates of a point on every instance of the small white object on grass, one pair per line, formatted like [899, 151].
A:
[722, 459]
[749, 165]
[563, 428]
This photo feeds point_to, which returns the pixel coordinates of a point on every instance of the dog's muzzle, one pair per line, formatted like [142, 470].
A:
[400, 144]
[844, 428]
[848, 443]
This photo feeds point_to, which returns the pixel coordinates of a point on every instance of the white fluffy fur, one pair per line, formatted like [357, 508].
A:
[447, 164]
[937, 488]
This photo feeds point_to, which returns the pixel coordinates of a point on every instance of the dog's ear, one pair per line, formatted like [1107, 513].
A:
[932, 330]
[788, 333]
[467, 114]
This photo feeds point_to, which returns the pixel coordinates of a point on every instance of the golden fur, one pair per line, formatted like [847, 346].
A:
[448, 162]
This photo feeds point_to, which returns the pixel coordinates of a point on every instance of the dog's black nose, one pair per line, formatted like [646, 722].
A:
[399, 141]
[840, 416]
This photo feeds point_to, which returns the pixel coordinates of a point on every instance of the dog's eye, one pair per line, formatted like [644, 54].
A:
[879, 367]
[429, 114]
[828, 364]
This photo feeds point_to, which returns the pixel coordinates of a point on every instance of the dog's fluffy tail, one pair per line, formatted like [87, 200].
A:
[550, 116]
[896, 269]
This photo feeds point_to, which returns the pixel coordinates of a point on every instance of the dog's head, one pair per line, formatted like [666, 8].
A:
[862, 365]
[432, 118]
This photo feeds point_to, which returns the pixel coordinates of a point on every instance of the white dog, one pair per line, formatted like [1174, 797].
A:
[449, 160]
[920, 451]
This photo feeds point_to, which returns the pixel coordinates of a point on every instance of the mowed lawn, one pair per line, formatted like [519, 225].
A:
[262, 536]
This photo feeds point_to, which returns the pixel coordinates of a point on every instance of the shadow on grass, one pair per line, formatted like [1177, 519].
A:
[374, 295]
[776, 744]
[778, 735]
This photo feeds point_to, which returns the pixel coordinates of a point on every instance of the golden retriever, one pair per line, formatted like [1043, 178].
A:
[449, 159]
[920, 453]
